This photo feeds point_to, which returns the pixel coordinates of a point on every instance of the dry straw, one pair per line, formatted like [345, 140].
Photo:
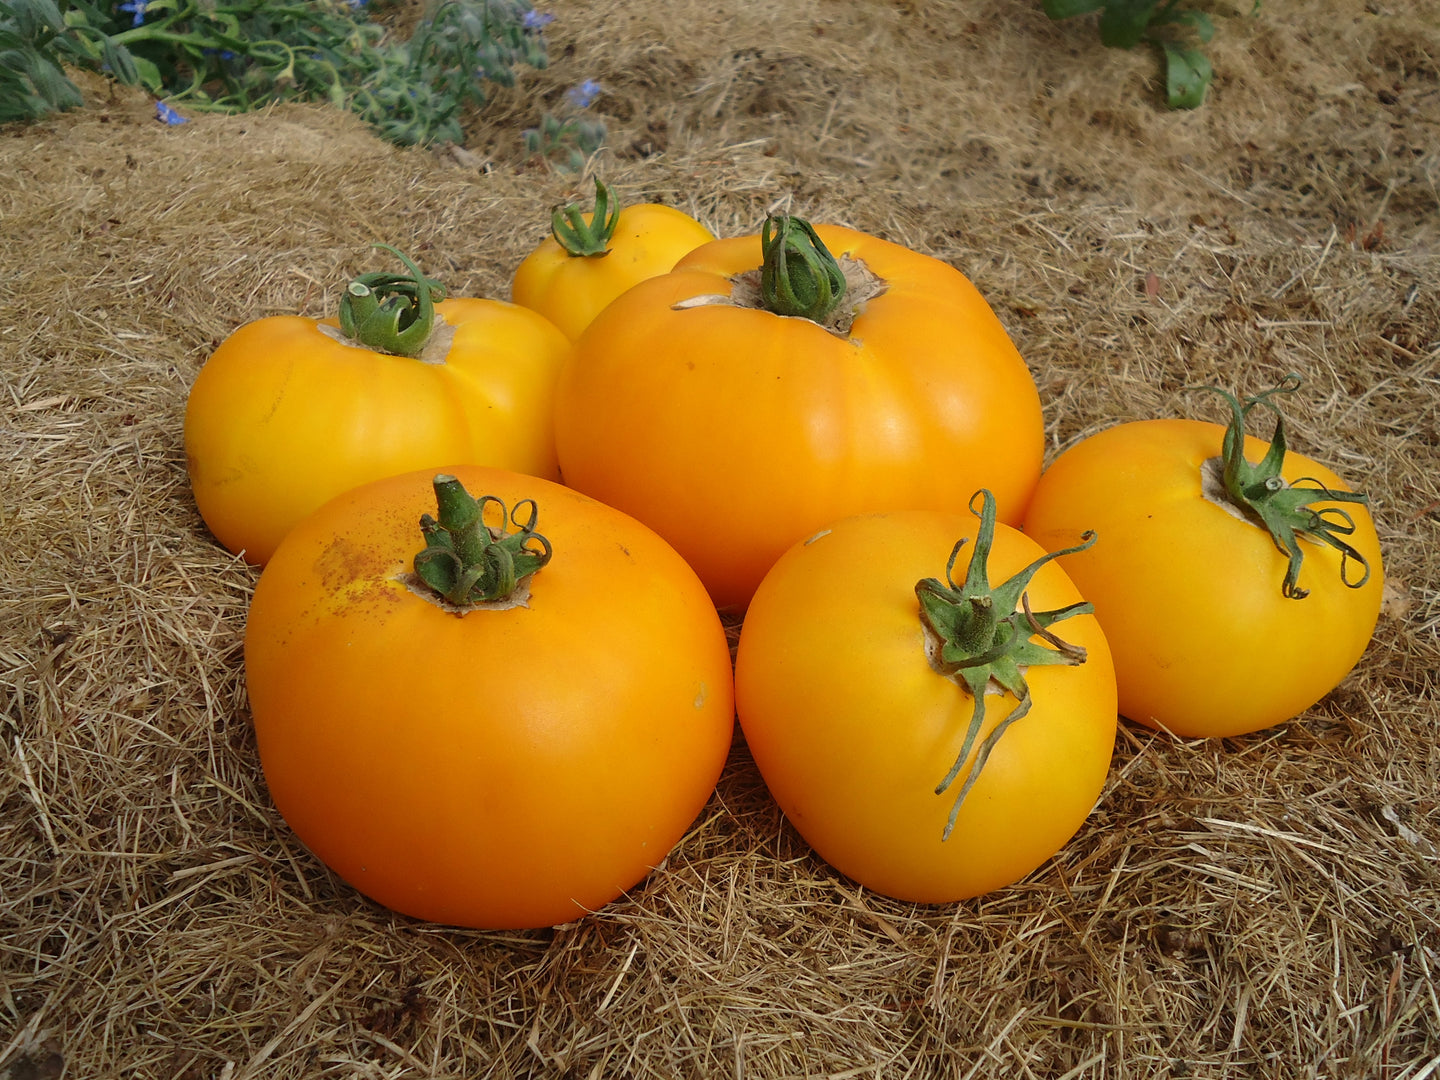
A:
[1267, 906]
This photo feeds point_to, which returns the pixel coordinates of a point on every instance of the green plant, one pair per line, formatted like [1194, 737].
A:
[233, 55]
[567, 143]
[1163, 23]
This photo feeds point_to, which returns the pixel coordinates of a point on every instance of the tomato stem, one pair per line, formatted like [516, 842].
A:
[587, 238]
[986, 633]
[391, 313]
[469, 562]
[1282, 509]
[798, 275]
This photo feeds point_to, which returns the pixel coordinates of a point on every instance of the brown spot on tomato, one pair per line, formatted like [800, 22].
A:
[342, 562]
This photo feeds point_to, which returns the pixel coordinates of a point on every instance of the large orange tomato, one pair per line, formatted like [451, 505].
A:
[514, 750]
[931, 740]
[1234, 595]
[291, 411]
[589, 259]
[764, 389]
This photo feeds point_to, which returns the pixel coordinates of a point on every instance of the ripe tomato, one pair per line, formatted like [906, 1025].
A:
[734, 430]
[501, 764]
[290, 412]
[589, 259]
[843, 698]
[1215, 629]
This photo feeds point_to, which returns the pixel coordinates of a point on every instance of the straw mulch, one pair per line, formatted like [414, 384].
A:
[1266, 906]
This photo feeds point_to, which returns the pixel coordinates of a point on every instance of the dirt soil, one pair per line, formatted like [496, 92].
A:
[1264, 906]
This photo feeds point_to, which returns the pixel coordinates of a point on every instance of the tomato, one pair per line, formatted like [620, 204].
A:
[1216, 629]
[289, 411]
[589, 259]
[487, 762]
[734, 430]
[867, 729]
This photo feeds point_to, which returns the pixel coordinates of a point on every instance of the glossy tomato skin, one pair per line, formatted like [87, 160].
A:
[1189, 593]
[285, 415]
[734, 432]
[852, 729]
[570, 290]
[501, 768]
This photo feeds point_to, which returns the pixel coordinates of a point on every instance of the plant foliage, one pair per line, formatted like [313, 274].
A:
[233, 55]
[1164, 24]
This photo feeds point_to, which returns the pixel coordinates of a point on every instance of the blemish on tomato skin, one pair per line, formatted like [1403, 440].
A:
[817, 536]
[702, 695]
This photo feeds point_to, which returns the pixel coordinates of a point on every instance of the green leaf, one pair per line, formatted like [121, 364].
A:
[149, 74]
[31, 14]
[52, 85]
[1197, 20]
[1065, 9]
[120, 62]
[1124, 22]
[1187, 76]
[32, 83]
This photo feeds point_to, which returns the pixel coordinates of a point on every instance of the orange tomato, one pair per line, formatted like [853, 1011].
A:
[514, 765]
[853, 725]
[734, 432]
[1189, 589]
[288, 413]
[571, 280]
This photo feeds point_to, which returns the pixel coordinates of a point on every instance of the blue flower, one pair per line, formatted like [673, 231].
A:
[137, 7]
[534, 20]
[581, 96]
[166, 113]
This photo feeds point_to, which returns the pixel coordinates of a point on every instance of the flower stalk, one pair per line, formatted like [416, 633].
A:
[1261, 495]
[798, 275]
[391, 313]
[984, 634]
[590, 239]
[468, 562]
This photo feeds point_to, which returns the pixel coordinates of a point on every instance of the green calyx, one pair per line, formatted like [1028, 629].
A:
[587, 238]
[798, 275]
[1261, 495]
[391, 313]
[469, 562]
[985, 634]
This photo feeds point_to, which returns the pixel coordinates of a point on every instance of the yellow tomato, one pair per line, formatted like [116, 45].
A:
[500, 763]
[592, 258]
[1190, 590]
[289, 412]
[853, 725]
[734, 431]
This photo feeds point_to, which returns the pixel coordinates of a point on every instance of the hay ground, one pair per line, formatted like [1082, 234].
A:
[1267, 906]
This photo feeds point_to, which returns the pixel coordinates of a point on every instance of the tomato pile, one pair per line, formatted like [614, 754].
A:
[486, 659]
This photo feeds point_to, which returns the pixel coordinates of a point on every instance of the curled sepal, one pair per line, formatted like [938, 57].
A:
[392, 313]
[581, 237]
[468, 561]
[1262, 495]
[798, 275]
[986, 633]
